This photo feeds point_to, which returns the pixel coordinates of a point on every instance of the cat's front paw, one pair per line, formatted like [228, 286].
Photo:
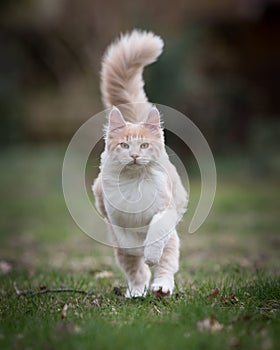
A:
[135, 292]
[162, 287]
[152, 254]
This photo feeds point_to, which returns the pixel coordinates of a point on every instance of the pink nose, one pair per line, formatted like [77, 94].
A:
[134, 156]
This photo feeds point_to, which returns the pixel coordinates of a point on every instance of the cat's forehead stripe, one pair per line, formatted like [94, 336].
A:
[133, 137]
[136, 131]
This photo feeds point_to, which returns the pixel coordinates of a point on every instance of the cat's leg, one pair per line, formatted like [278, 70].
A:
[137, 273]
[163, 283]
[160, 230]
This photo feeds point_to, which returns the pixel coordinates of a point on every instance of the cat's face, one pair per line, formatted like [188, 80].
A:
[134, 145]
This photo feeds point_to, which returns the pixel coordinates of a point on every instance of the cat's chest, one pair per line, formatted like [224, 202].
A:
[133, 201]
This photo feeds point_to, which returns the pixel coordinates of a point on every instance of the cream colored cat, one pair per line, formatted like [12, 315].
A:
[138, 190]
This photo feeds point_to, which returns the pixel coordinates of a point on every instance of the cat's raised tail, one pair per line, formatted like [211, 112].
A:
[122, 68]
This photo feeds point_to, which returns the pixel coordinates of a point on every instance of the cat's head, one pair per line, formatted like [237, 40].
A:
[134, 145]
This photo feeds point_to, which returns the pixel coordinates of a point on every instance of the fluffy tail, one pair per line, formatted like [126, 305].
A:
[122, 68]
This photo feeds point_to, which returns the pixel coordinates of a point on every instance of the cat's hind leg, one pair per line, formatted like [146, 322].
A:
[137, 273]
[168, 265]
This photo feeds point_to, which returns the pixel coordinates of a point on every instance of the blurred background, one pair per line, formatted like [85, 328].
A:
[220, 67]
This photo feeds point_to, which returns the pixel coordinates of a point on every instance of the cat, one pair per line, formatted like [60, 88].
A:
[138, 190]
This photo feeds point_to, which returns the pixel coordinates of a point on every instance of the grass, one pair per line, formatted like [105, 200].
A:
[236, 251]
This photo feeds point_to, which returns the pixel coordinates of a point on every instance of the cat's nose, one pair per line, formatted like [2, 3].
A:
[134, 156]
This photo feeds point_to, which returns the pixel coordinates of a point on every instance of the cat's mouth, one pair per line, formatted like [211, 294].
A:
[134, 162]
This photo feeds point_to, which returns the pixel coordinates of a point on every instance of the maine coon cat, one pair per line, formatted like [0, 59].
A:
[138, 191]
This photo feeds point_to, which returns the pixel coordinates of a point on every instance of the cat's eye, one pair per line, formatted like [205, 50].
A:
[124, 145]
[144, 145]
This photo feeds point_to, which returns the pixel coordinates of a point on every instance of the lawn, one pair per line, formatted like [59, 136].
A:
[59, 289]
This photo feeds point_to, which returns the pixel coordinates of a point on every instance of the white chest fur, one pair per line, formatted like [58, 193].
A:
[133, 197]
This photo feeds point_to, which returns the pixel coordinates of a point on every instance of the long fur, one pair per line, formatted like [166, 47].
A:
[122, 69]
[138, 190]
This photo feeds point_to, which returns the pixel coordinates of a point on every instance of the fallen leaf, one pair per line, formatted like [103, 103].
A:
[95, 302]
[233, 342]
[214, 293]
[234, 299]
[63, 327]
[266, 344]
[157, 309]
[104, 274]
[209, 324]
[5, 267]
[64, 312]
[224, 299]
[159, 293]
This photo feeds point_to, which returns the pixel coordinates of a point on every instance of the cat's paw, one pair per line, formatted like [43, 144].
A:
[135, 292]
[162, 287]
[152, 255]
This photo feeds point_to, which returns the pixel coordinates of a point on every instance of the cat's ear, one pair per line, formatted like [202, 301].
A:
[116, 120]
[153, 120]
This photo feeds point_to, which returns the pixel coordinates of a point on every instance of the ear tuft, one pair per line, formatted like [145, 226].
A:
[116, 120]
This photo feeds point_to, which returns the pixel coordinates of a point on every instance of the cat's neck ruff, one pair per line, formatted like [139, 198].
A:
[115, 169]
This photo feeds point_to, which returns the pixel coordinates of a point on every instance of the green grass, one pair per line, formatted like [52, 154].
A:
[236, 250]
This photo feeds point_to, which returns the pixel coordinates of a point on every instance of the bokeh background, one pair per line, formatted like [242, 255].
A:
[220, 67]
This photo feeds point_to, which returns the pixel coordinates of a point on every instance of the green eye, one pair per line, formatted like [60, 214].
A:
[124, 145]
[144, 145]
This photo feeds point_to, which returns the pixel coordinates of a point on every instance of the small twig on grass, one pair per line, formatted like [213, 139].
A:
[45, 291]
